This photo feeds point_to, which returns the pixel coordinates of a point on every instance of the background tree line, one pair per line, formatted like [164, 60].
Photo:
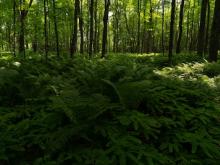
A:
[98, 26]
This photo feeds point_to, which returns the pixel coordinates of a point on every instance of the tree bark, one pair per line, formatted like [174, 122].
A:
[21, 35]
[178, 47]
[56, 29]
[91, 10]
[105, 29]
[162, 31]
[81, 28]
[201, 35]
[215, 33]
[150, 31]
[46, 29]
[207, 29]
[14, 27]
[95, 41]
[172, 21]
[73, 46]
[138, 26]
[23, 13]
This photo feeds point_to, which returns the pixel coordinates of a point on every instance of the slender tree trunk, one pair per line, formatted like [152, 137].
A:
[81, 28]
[178, 47]
[162, 40]
[21, 36]
[98, 34]
[116, 27]
[105, 29]
[172, 21]
[207, 29]
[138, 26]
[215, 33]
[14, 27]
[143, 42]
[187, 31]
[73, 46]
[56, 28]
[96, 26]
[34, 42]
[46, 29]
[150, 32]
[191, 45]
[91, 10]
[22, 15]
[201, 35]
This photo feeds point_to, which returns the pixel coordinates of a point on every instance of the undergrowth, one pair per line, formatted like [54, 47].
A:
[108, 112]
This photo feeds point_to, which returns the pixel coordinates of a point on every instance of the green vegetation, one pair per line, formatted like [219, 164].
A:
[109, 82]
[114, 111]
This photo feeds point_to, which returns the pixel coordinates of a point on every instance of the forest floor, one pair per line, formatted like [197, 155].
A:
[126, 109]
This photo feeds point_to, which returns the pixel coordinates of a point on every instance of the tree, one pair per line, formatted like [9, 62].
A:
[172, 20]
[207, 29]
[162, 28]
[201, 36]
[150, 29]
[215, 33]
[56, 29]
[134, 26]
[81, 28]
[95, 40]
[91, 11]
[105, 29]
[139, 24]
[73, 46]
[46, 29]
[23, 12]
[14, 27]
[178, 47]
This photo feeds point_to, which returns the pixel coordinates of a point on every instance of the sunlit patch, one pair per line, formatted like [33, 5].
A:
[189, 71]
[18, 64]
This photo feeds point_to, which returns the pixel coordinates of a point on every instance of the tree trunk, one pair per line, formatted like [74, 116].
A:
[73, 46]
[56, 29]
[201, 35]
[105, 29]
[22, 16]
[138, 25]
[96, 26]
[162, 30]
[21, 35]
[187, 31]
[207, 29]
[191, 44]
[14, 27]
[46, 29]
[91, 10]
[172, 21]
[215, 33]
[150, 32]
[81, 28]
[178, 47]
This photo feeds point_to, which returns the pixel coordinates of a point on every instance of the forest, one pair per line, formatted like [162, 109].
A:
[109, 82]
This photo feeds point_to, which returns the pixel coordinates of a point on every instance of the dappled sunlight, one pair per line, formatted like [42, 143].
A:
[7, 56]
[196, 72]
[18, 64]
[144, 55]
[2, 68]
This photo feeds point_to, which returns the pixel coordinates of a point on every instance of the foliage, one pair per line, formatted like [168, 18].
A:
[115, 111]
